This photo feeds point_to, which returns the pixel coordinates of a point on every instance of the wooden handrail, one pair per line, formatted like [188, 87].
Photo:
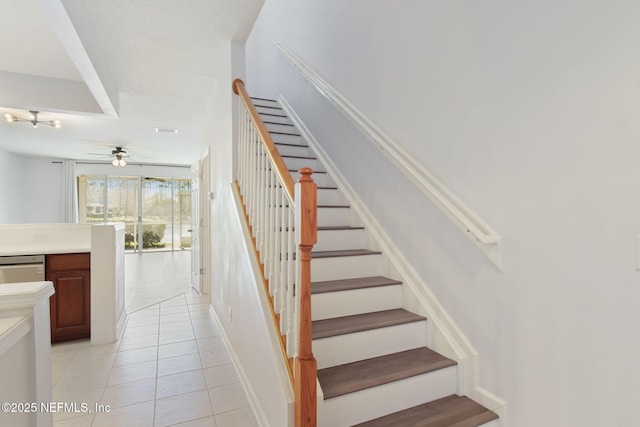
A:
[279, 165]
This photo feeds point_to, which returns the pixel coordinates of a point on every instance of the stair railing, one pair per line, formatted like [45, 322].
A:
[281, 214]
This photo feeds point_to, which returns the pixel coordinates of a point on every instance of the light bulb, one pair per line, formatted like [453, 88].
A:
[56, 123]
[8, 117]
[115, 162]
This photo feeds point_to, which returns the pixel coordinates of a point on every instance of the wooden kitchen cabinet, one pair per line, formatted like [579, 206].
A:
[70, 306]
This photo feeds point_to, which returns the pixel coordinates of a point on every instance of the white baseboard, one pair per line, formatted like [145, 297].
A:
[261, 417]
[122, 323]
[492, 402]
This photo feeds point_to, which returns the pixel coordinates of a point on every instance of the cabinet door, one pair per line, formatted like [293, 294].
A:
[70, 305]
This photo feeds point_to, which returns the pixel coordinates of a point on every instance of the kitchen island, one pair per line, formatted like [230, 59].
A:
[92, 292]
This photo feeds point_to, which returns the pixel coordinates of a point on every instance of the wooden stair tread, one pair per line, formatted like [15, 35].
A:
[263, 99]
[267, 106]
[271, 114]
[277, 123]
[450, 411]
[298, 157]
[289, 144]
[284, 133]
[295, 171]
[362, 322]
[338, 227]
[331, 227]
[343, 253]
[363, 374]
[350, 284]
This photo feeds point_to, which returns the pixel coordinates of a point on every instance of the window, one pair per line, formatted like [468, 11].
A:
[155, 211]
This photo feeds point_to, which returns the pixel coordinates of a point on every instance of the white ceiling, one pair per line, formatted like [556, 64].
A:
[113, 71]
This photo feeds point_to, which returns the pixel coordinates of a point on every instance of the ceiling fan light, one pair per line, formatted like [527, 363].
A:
[119, 162]
[56, 123]
[9, 117]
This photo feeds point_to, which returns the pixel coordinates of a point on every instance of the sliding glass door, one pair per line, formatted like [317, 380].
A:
[156, 211]
[122, 206]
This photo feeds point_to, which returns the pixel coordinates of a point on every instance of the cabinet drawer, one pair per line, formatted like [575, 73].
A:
[61, 262]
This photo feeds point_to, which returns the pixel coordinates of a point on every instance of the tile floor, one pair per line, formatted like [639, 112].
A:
[152, 277]
[170, 368]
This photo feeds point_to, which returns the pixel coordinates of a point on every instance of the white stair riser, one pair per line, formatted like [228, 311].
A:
[375, 402]
[276, 119]
[296, 163]
[321, 179]
[290, 150]
[348, 267]
[347, 348]
[288, 139]
[331, 197]
[334, 216]
[333, 240]
[279, 127]
[269, 102]
[327, 305]
[267, 110]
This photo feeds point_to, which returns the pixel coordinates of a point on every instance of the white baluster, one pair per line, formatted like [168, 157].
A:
[292, 283]
[240, 144]
[268, 260]
[277, 257]
[284, 280]
[248, 200]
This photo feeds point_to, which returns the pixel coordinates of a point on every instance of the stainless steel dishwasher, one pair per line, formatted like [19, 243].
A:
[22, 268]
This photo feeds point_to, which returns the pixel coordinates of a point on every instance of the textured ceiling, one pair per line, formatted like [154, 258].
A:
[112, 71]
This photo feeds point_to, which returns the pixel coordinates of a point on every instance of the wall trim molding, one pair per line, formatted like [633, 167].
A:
[472, 226]
[450, 340]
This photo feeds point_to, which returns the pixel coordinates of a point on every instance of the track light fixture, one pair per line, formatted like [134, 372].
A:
[33, 119]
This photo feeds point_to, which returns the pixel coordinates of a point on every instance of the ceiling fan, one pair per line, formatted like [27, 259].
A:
[119, 155]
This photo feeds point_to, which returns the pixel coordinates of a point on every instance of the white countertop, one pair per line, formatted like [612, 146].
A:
[42, 239]
[17, 295]
[43, 249]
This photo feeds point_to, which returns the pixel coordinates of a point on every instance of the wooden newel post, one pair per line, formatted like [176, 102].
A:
[304, 370]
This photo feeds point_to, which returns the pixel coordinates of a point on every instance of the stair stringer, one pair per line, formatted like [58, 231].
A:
[443, 335]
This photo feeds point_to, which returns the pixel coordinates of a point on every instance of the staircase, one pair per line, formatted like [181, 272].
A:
[374, 367]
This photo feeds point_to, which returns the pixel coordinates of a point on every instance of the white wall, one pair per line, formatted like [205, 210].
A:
[529, 112]
[233, 285]
[11, 188]
[43, 188]
[32, 187]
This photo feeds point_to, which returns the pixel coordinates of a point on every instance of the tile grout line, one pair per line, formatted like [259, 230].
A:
[155, 388]
[193, 329]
